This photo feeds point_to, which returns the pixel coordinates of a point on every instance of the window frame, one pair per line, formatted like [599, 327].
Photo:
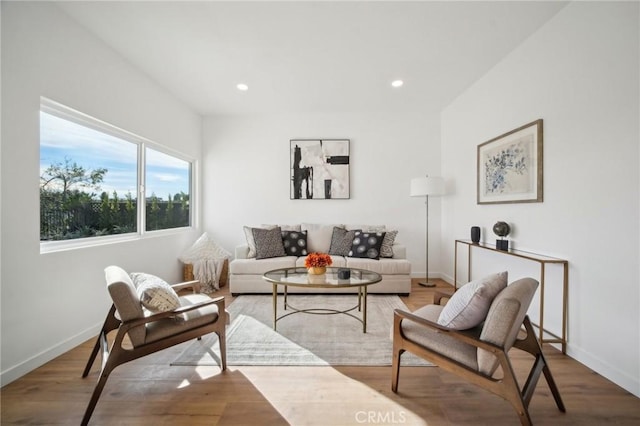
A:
[66, 113]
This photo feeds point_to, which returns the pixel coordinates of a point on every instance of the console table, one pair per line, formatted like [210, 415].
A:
[533, 257]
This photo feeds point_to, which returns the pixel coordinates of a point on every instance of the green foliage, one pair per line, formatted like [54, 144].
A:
[69, 210]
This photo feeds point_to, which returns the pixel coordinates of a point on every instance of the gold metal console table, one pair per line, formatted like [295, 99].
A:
[534, 257]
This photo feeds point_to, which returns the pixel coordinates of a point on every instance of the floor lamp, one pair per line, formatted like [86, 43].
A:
[424, 187]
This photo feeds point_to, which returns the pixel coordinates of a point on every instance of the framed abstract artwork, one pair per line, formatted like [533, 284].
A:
[319, 169]
[510, 167]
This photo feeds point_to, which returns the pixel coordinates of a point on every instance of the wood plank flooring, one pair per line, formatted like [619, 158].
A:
[150, 392]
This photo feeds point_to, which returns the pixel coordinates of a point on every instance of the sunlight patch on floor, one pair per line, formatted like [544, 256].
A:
[329, 397]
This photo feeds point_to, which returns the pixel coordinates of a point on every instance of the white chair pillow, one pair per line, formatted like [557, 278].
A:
[154, 293]
[470, 305]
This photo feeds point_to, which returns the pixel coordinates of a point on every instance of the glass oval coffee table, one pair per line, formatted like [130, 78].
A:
[298, 277]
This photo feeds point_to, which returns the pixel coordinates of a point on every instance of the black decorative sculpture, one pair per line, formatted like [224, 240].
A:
[502, 229]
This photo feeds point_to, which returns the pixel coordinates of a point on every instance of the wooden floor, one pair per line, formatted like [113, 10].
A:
[150, 392]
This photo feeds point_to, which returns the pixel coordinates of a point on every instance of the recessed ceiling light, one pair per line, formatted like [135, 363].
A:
[243, 87]
[397, 83]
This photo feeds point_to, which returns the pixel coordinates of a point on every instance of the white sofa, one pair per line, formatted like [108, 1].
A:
[245, 274]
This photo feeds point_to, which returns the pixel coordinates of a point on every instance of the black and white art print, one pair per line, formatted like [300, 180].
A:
[319, 169]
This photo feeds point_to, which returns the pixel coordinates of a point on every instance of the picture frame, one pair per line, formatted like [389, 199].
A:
[319, 169]
[510, 167]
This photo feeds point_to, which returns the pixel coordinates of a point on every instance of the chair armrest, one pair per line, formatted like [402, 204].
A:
[194, 284]
[466, 336]
[168, 314]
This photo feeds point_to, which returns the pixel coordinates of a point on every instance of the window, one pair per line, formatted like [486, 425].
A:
[171, 176]
[90, 175]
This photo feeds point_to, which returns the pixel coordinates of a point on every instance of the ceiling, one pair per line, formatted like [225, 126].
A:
[313, 57]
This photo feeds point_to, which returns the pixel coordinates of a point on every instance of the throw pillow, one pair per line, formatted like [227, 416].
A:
[341, 241]
[387, 244]
[469, 306]
[251, 242]
[367, 245]
[154, 293]
[295, 243]
[319, 236]
[268, 243]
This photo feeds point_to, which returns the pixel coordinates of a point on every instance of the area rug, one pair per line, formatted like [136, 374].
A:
[302, 339]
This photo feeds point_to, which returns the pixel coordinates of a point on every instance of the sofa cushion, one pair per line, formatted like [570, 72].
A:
[367, 244]
[268, 243]
[469, 305]
[336, 262]
[381, 266]
[341, 241]
[295, 243]
[367, 228]
[319, 236]
[259, 267]
[387, 244]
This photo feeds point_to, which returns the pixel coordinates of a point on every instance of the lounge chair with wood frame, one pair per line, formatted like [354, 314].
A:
[198, 315]
[477, 353]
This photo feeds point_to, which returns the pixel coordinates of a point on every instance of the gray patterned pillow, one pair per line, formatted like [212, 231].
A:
[268, 243]
[341, 241]
[387, 244]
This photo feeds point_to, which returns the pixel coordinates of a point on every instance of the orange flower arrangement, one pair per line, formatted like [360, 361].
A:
[315, 260]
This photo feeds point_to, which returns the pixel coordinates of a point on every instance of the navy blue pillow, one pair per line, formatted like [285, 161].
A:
[295, 243]
[367, 245]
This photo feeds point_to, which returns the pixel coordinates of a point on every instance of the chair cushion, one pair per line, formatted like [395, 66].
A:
[504, 320]
[167, 327]
[469, 305]
[125, 299]
[436, 341]
[155, 294]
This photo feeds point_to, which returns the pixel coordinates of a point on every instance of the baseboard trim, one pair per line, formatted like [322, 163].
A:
[606, 370]
[38, 360]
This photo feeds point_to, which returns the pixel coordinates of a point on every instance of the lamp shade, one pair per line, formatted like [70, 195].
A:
[421, 187]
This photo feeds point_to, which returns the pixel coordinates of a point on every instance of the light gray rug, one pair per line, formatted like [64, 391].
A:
[303, 339]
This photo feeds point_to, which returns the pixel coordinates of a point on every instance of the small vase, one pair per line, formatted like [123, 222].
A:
[475, 234]
[317, 270]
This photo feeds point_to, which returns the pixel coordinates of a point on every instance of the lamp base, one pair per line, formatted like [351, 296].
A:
[426, 284]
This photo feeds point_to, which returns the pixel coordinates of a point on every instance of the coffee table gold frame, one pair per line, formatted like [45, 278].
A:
[298, 277]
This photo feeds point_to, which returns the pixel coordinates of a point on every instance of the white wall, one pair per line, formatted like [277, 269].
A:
[580, 74]
[246, 175]
[51, 302]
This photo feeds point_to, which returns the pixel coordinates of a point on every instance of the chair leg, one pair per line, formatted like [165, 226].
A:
[395, 369]
[531, 345]
[95, 396]
[397, 353]
[223, 348]
[92, 357]
[110, 323]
